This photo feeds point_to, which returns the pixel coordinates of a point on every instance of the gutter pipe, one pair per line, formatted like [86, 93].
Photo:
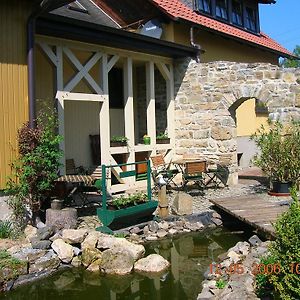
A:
[44, 6]
[193, 44]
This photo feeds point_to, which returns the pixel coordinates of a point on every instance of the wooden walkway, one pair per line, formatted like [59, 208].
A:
[255, 211]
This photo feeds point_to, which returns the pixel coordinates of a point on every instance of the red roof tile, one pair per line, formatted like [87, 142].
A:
[176, 9]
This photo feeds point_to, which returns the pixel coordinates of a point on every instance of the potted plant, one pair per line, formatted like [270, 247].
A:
[147, 139]
[279, 156]
[162, 138]
[118, 141]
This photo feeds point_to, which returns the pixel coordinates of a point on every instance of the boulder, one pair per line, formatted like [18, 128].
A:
[76, 250]
[153, 226]
[29, 254]
[153, 263]
[30, 232]
[183, 204]
[89, 255]
[45, 263]
[76, 262]
[110, 242]
[116, 261]
[64, 251]
[161, 233]
[233, 256]
[44, 233]
[255, 240]
[74, 236]
[91, 240]
[95, 266]
[37, 244]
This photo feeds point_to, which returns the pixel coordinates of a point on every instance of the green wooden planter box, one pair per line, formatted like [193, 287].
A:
[113, 219]
[130, 215]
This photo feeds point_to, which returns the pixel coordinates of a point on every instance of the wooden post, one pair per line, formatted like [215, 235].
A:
[104, 118]
[129, 114]
[163, 203]
[150, 96]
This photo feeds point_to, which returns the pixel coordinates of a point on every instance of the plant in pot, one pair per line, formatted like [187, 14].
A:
[162, 138]
[128, 201]
[118, 141]
[279, 156]
[146, 139]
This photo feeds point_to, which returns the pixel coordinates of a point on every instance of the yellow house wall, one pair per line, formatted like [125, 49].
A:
[247, 121]
[217, 47]
[13, 80]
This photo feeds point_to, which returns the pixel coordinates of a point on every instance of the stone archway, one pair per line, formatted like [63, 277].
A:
[207, 91]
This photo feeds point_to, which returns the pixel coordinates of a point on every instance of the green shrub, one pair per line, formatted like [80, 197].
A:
[279, 151]
[285, 251]
[35, 169]
[5, 229]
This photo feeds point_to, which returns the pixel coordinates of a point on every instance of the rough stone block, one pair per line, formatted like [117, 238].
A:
[183, 204]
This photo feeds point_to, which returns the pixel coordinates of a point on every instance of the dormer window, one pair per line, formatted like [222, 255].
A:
[250, 20]
[204, 6]
[240, 13]
[221, 9]
[237, 12]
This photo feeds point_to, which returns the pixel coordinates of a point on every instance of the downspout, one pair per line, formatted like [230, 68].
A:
[31, 69]
[197, 46]
[44, 6]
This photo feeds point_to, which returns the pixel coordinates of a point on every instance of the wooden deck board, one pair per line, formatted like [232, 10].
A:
[253, 210]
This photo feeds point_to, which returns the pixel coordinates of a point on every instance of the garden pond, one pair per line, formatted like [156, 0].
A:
[189, 254]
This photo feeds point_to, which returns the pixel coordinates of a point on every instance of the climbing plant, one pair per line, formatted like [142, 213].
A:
[35, 169]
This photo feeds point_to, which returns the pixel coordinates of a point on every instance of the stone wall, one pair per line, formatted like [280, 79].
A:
[206, 94]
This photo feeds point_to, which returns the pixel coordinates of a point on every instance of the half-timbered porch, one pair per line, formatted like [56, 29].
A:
[104, 91]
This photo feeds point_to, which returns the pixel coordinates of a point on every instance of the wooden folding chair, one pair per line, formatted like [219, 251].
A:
[193, 172]
[217, 177]
[159, 167]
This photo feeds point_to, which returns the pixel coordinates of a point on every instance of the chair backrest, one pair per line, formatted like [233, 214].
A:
[157, 161]
[195, 167]
[95, 148]
[97, 172]
[70, 167]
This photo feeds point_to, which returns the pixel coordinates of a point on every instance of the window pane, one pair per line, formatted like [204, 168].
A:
[221, 9]
[237, 12]
[250, 19]
[204, 5]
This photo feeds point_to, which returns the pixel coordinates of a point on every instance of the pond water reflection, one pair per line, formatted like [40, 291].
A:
[190, 256]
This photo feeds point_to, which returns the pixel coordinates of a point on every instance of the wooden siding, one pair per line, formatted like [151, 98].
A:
[13, 79]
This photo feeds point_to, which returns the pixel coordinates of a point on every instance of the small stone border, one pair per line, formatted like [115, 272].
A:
[240, 279]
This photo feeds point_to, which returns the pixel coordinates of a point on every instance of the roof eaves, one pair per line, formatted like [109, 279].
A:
[241, 40]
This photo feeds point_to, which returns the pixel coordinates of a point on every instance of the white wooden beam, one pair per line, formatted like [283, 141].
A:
[83, 72]
[112, 62]
[129, 113]
[81, 96]
[49, 52]
[104, 119]
[163, 69]
[150, 98]
[79, 66]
